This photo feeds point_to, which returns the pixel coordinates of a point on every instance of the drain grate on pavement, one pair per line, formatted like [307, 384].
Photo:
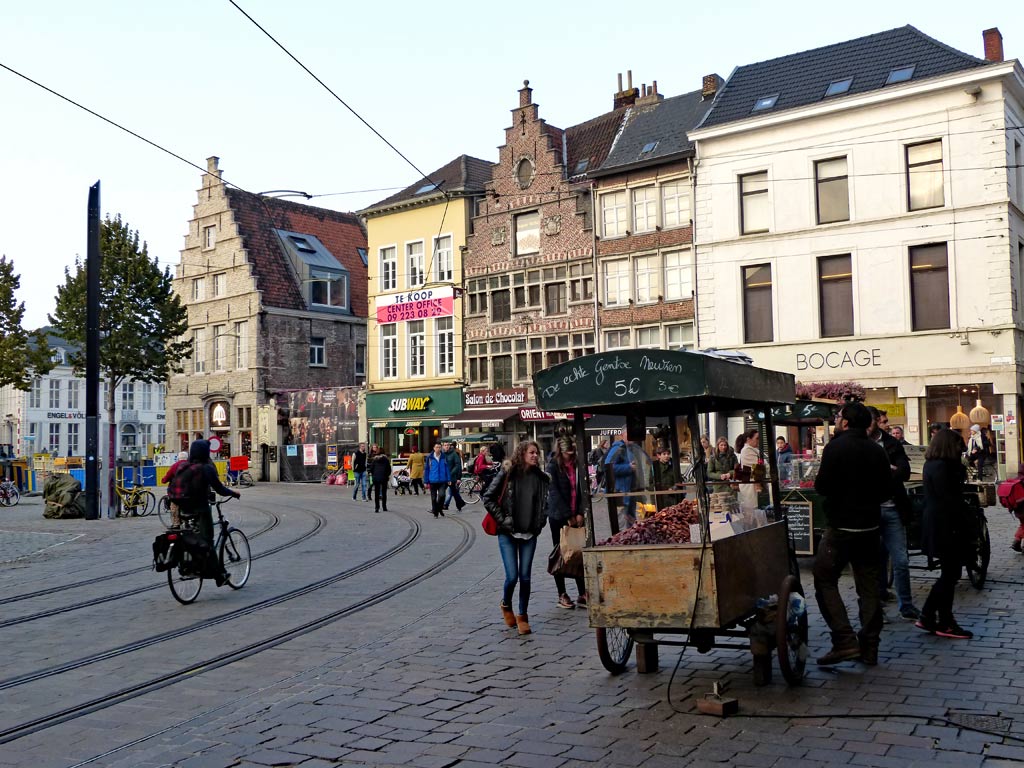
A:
[979, 721]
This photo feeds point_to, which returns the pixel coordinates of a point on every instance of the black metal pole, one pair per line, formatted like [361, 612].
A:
[92, 357]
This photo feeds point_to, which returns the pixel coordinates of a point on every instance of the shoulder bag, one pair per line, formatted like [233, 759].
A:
[489, 524]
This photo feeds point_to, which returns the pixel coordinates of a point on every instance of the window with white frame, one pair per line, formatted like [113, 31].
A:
[147, 396]
[218, 347]
[675, 204]
[645, 209]
[648, 337]
[445, 334]
[198, 289]
[328, 288]
[55, 393]
[54, 441]
[581, 282]
[617, 339]
[679, 336]
[128, 436]
[209, 237]
[145, 435]
[388, 269]
[754, 203]
[832, 190]
[389, 351]
[414, 260]
[613, 214]
[678, 275]
[219, 280]
[73, 438]
[128, 396]
[648, 278]
[924, 176]
[317, 351]
[527, 232]
[161, 399]
[444, 265]
[360, 362]
[161, 434]
[73, 394]
[241, 345]
[417, 349]
[616, 283]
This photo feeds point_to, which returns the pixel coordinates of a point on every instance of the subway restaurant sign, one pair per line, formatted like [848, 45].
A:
[401, 404]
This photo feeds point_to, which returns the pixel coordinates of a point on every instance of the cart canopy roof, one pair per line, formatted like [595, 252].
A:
[653, 381]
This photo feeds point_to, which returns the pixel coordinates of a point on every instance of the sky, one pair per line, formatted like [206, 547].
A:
[436, 79]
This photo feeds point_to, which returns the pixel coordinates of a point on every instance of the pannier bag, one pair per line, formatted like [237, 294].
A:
[169, 549]
[1011, 493]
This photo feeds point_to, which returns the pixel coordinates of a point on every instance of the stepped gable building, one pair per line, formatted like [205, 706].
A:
[529, 278]
[859, 217]
[644, 229]
[417, 239]
[276, 296]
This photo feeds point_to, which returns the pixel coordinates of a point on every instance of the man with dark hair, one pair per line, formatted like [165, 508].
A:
[855, 478]
[893, 512]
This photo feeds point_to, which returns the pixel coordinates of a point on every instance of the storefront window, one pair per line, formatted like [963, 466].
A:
[942, 401]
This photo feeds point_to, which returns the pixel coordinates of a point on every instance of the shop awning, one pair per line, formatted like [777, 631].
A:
[480, 416]
[478, 437]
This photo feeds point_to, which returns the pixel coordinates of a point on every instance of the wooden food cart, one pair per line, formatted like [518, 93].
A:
[708, 592]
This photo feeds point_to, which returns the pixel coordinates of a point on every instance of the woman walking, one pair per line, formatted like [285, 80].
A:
[944, 529]
[563, 501]
[517, 499]
[380, 472]
[436, 478]
[415, 467]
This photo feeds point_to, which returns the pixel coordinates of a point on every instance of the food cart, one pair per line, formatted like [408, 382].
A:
[715, 593]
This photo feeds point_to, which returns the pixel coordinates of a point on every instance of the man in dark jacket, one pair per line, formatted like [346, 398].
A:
[359, 469]
[454, 460]
[855, 478]
[893, 512]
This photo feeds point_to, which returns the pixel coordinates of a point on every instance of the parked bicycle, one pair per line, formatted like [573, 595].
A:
[240, 478]
[135, 501]
[163, 511]
[185, 576]
[9, 494]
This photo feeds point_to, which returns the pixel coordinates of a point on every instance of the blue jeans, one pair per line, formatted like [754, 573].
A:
[360, 485]
[894, 546]
[453, 493]
[517, 557]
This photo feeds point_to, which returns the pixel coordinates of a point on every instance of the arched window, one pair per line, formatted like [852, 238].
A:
[128, 436]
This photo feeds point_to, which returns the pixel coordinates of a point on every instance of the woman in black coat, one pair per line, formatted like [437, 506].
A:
[564, 499]
[943, 529]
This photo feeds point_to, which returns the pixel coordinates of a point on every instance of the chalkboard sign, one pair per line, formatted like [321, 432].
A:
[627, 377]
[800, 517]
[915, 455]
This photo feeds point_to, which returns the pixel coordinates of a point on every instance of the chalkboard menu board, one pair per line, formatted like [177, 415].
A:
[800, 516]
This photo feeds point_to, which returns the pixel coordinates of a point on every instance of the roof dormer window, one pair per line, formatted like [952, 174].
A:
[426, 188]
[837, 87]
[900, 75]
[302, 244]
[765, 102]
[328, 288]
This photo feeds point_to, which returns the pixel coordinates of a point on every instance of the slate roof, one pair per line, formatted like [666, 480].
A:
[665, 122]
[257, 217]
[463, 174]
[591, 141]
[801, 79]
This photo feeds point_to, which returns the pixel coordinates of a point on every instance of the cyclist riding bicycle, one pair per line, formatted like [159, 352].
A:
[484, 468]
[193, 484]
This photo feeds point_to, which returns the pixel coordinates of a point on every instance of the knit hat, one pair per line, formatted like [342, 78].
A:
[975, 428]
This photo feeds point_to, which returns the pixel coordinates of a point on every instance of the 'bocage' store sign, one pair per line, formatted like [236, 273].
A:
[835, 360]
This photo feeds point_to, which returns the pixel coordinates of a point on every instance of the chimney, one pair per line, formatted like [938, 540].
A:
[650, 95]
[627, 97]
[525, 94]
[993, 44]
[710, 87]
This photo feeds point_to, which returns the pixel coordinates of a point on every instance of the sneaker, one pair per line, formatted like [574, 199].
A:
[910, 613]
[564, 601]
[955, 631]
[928, 625]
[838, 655]
[1016, 545]
[582, 599]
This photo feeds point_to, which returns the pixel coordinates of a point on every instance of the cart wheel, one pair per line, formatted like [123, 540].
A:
[977, 565]
[614, 645]
[791, 638]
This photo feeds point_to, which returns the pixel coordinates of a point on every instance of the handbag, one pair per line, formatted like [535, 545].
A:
[559, 566]
[489, 524]
[571, 542]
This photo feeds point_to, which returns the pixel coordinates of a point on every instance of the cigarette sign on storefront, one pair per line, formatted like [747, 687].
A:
[416, 305]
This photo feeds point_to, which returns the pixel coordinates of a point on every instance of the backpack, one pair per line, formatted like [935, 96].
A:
[188, 486]
[1011, 493]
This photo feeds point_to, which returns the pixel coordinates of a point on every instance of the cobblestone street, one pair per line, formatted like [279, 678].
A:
[431, 677]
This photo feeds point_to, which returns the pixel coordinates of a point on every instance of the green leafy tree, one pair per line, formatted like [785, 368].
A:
[23, 355]
[142, 320]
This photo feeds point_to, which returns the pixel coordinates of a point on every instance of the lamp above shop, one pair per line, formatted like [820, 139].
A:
[980, 415]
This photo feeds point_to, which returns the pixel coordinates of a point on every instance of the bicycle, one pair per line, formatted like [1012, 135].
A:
[9, 494]
[471, 487]
[135, 501]
[241, 478]
[163, 511]
[185, 578]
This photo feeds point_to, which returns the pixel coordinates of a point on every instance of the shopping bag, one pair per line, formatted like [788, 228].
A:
[489, 524]
[571, 542]
[559, 566]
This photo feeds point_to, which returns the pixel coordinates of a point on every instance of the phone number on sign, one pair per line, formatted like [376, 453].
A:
[414, 310]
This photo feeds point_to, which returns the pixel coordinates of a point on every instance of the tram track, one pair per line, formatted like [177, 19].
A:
[320, 522]
[274, 521]
[207, 665]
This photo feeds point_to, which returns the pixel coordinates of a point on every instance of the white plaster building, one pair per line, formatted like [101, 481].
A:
[859, 217]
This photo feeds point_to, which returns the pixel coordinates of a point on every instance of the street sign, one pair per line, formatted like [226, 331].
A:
[214, 444]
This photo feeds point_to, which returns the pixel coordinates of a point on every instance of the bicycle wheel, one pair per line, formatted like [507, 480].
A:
[163, 510]
[10, 497]
[235, 558]
[148, 503]
[245, 480]
[981, 552]
[184, 583]
[469, 487]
